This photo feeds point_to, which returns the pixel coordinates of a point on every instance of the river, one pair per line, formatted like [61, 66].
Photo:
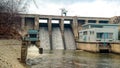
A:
[72, 59]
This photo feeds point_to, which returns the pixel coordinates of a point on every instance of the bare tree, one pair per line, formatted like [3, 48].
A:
[9, 18]
[115, 19]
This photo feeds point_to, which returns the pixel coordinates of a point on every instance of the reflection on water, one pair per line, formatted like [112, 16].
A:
[74, 59]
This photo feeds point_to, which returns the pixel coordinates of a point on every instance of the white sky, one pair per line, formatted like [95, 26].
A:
[89, 8]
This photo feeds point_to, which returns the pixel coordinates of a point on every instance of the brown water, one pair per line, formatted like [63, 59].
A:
[74, 59]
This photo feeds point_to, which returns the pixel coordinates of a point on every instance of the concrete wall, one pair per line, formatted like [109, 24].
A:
[74, 20]
[93, 47]
[115, 47]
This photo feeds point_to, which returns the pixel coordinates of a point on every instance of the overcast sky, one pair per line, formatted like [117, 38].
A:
[89, 8]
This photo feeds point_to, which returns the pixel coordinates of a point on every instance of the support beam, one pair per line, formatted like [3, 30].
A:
[86, 21]
[50, 32]
[36, 25]
[62, 32]
[97, 21]
[24, 51]
[75, 27]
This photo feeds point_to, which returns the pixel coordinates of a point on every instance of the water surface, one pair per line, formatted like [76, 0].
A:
[74, 59]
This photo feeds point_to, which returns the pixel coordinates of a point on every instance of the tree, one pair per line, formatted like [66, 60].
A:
[10, 20]
[116, 20]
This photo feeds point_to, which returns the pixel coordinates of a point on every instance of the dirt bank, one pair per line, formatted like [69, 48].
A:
[10, 51]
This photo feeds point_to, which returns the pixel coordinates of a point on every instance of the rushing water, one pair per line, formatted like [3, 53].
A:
[69, 38]
[44, 38]
[57, 38]
[66, 58]
[71, 59]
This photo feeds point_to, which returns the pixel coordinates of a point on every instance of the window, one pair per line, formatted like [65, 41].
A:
[81, 22]
[102, 21]
[85, 33]
[91, 32]
[96, 26]
[110, 35]
[91, 21]
[33, 35]
[99, 35]
[105, 35]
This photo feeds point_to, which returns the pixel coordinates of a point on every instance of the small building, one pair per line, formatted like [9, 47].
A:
[92, 32]
[33, 36]
[99, 38]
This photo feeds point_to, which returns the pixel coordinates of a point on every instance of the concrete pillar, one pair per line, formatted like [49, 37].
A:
[23, 23]
[62, 25]
[71, 23]
[62, 31]
[24, 51]
[36, 24]
[86, 21]
[97, 21]
[50, 31]
[75, 27]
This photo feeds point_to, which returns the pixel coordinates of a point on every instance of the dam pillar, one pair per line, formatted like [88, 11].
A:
[50, 31]
[97, 21]
[62, 31]
[75, 27]
[36, 24]
[86, 21]
[24, 51]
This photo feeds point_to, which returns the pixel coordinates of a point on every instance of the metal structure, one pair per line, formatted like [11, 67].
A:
[63, 12]
[31, 38]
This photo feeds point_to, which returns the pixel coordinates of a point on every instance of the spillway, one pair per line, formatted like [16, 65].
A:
[44, 38]
[57, 41]
[69, 37]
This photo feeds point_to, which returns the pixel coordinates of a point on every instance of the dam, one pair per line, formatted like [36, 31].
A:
[59, 41]
[55, 34]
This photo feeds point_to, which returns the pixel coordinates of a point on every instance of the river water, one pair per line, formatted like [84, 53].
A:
[71, 59]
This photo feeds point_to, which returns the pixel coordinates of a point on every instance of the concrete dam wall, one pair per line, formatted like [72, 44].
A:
[44, 38]
[60, 36]
[69, 37]
[57, 40]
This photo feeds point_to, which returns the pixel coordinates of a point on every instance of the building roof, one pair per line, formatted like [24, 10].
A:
[31, 31]
[101, 24]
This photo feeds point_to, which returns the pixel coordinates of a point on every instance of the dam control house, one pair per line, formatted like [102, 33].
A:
[92, 32]
[98, 37]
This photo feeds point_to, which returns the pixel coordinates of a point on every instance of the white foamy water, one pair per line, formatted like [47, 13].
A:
[69, 38]
[44, 38]
[33, 52]
[33, 56]
[57, 38]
